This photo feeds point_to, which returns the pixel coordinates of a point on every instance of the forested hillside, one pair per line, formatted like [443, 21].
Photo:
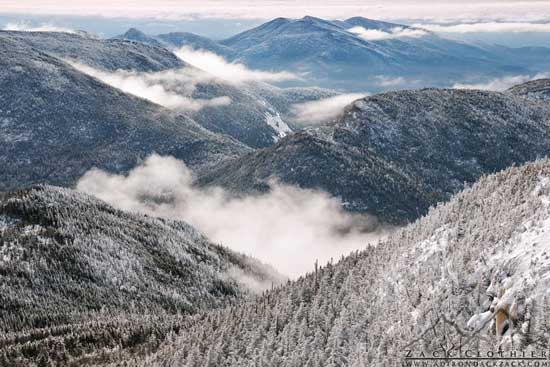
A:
[56, 123]
[396, 154]
[472, 274]
[252, 113]
[110, 55]
[79, 277]
[536, 89]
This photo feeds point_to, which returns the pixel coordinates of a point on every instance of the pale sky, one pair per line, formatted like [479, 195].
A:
[440, 11]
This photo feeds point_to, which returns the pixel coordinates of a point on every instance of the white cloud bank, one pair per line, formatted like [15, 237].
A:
[389, 81]
[487, 27]
[28, 27]
[231, 72]
[500, 84]
[323, 110]
[154, 86]
[451, 10]
[378, 35]
[288, 227]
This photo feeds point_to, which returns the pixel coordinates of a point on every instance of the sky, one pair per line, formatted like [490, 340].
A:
[442, 10]
[520, 23]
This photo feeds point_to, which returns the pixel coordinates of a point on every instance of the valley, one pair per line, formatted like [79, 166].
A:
[308, 192]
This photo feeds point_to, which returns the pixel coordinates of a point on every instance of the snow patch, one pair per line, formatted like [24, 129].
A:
[275, 121]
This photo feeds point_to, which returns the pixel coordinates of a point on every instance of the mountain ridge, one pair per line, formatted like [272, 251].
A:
[331, 54]
[43, 129]
[427, 144]
[68, 260]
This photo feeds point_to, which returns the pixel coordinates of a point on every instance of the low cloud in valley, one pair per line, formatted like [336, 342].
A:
[229, 71]
[24, 26]
[486, 27]
[288, 227]
[379, 35]
[171, 89]
[500, 84]
[323, 110]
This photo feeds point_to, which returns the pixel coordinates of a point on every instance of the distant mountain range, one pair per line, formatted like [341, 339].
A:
[396, 154]
[344, 55]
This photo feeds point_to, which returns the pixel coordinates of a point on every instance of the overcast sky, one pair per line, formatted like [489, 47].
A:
[441, 10]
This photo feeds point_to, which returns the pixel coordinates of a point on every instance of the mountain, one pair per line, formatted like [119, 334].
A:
[109, 55]
[360, 54]
[134, 34]
[57, 123]
[332, 55]
[259, 114]
[177, 40]
[537, 89]
[247, 118]
[470, 276]
[396, 154]
[79, 275]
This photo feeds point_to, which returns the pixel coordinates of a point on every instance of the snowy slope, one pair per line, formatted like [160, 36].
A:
[331, 54]
[396, 154]
[452, 273]
[248, 115]
[537, 89]
[68, 260]
[105, 54]
[57, 123]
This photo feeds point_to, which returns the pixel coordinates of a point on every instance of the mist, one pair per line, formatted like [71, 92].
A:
[378, 35]
[229, 71]
[486, 27]
[500, 84]
[323, 110]
[171, 88]
[288, 227]
[23, 26]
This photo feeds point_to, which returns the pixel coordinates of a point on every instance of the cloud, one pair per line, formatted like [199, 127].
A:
[500, 84]
[23, 26]
[323, 110]
[387, 81]
[171, 89]
[288, 227]
[510, 10]
[253, 283]
[232, 72]
[488, 27]
[378, 35]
